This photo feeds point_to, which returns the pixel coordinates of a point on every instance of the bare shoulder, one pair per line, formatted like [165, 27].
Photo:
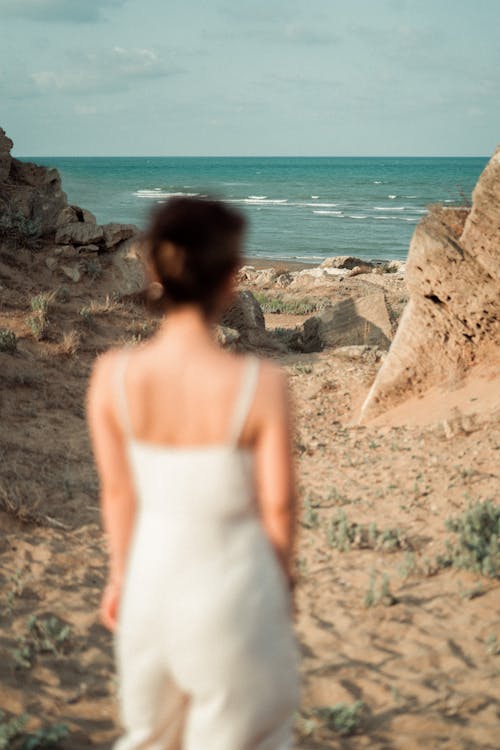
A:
[102, 377]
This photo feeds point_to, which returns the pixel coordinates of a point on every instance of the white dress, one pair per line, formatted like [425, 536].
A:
[205, 651]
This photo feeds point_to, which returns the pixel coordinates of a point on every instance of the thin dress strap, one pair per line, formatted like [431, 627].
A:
[244, 399]
[121, 395]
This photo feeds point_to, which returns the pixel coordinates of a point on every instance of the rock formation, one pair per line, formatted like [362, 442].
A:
[452, 319]
[245, 317]
[32, 201]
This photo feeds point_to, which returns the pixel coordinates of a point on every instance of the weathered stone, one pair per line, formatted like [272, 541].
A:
[345, 261]
[115, 233]
[245, 316]
[79, 233]
[35, 192]
[68, 215]
[64, 251]
[82, 249]
[51, 263]
[72, 272]
[350, 322]
[244, 313]
[5, 157]
[452, 319]
[227, 336]
[128, 267]
[357, 270]
[481, 233]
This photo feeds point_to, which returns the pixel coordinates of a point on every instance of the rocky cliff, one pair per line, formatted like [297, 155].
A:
[452, 319]
[33, 205]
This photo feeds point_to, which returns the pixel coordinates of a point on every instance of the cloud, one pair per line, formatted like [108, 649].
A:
[76, 11]
[105, 71]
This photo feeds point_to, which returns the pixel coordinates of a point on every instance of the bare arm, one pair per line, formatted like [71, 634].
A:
[117, 496]
[275, 475]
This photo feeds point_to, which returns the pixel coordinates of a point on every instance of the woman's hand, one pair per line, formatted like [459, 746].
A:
[110, 601]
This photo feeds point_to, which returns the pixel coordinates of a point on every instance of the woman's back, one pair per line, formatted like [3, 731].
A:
[193, 449]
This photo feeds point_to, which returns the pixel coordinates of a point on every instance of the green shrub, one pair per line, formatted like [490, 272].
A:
[276, 304]
[14, 225]
[344, 535]
[8, 341]
[12, 734]
[343, 718]
[477, 544]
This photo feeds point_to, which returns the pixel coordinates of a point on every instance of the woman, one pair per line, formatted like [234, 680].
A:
[193, 449]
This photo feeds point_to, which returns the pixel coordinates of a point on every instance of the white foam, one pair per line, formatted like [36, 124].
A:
[314, 196]
[328, 213]
[356, 216]
[158, 193]
[377, 182]
[257, 197]
[392, 197]
[388, 208]
[317, 205]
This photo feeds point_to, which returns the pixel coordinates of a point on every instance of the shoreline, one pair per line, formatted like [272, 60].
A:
[279, 264]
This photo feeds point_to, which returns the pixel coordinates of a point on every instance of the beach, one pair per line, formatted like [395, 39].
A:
[397, 618]
[378, 620]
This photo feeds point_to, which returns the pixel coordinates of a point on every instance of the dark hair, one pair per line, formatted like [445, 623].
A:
[193, 244]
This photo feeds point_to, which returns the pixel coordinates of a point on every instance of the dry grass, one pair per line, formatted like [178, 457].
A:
[70, 343]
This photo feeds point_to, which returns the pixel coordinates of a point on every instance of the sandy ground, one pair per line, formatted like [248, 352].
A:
[424, 660]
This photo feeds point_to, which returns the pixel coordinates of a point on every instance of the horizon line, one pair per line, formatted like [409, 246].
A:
[254, 156]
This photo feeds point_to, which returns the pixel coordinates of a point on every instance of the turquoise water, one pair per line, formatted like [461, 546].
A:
[301, 208]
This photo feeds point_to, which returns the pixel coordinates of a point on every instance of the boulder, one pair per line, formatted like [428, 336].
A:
[72, 272]
[79, 233]
[246, 317]
[115, 233]
[345, 261]
[36, 193]
[226, 336]
[5, 157]
[245, 313]
[128, 267]
[67, 215]
[452, 319]
[350, 322]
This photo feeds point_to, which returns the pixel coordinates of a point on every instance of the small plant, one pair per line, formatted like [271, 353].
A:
[93, 269]
[343, 718]
[63, 294]
[477, 546]
[16, 588]
[12, 731]
[303, 369]
[311, 519]
[38, 321]
[17, 227]
[492, 645]
[70, 343]
[87, 317]
[46, 737]
[276, 304]
[48, 635]
[8, 341]
[343, 535]
[383, 595]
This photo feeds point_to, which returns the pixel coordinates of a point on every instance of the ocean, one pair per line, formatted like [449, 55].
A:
[298, 207]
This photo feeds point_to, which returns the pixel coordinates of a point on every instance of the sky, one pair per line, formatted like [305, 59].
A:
[250, 77]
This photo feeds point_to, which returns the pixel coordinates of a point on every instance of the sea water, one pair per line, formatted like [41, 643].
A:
[297, 208]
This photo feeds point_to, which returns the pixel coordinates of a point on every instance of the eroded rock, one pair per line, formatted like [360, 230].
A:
[79, 233]
[114, 233]
[350, 322]
[452, 319]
